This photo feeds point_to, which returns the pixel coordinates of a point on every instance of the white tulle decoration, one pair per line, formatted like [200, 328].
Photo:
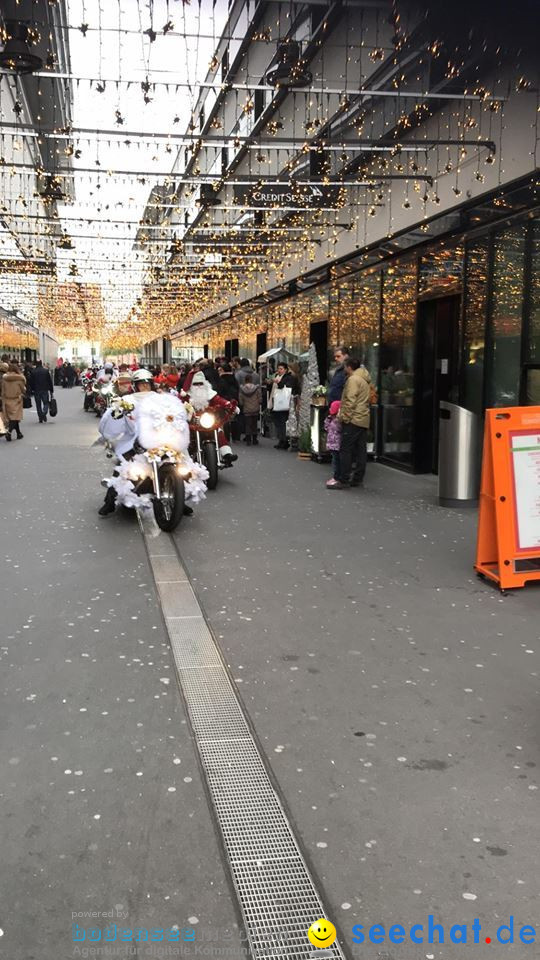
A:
[132, 471]
[161, 420]
[196, 485]
[127, 496]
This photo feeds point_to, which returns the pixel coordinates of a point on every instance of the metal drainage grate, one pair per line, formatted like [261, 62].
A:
[275, 890]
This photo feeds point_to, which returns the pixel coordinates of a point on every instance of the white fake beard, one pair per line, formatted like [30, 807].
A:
[199, 399]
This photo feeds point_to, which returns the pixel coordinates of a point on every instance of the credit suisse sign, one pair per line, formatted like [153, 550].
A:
[287, 195]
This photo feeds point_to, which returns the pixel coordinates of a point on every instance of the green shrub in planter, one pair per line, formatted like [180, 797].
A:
[304, 441]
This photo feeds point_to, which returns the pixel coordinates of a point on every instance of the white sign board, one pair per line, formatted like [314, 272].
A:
[526, 462]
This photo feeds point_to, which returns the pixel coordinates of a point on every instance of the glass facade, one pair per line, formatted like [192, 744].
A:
[533, 344]
[17, 340]
[441, 271]
[470, 308]
[506, 315]
[474, 328]
[397, 359]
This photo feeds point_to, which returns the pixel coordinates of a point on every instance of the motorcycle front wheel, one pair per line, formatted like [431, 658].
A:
[169, 508]
[211, 464]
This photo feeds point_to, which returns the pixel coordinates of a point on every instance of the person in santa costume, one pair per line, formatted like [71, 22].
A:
[203, 397]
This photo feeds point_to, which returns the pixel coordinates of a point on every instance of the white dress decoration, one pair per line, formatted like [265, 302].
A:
[158, 422]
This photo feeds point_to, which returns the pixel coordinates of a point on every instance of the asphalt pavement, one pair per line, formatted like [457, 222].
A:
[104, 813]
[393, 694]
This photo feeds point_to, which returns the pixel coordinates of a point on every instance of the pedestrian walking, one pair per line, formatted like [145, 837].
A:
[333, 439]
[354, 415]
[4, 367]
[13, 391]
[250, 404]
[43, 390]
[71, 376]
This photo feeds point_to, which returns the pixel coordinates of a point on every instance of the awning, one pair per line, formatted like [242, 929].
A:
[274, 352]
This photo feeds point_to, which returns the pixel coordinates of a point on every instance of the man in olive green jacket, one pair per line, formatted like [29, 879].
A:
[354, 415]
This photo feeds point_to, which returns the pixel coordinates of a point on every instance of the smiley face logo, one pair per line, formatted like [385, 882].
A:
[322, 933]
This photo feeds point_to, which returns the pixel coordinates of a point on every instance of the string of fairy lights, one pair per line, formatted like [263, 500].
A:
[132, 211]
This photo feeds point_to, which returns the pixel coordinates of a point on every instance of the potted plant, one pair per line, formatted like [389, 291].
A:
[318, 397]
[304, 444]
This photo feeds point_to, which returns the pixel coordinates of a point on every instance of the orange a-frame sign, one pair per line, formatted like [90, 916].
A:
[508, 547]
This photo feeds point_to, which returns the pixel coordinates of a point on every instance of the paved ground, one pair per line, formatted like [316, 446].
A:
[102, 802]
[394, 694]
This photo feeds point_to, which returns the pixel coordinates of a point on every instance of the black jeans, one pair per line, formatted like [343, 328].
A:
[353, 453]
[42, 403]
[280, 418]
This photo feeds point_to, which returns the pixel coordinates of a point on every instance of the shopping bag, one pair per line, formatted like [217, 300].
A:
[27, 403]
[53, 407]
[282, 399]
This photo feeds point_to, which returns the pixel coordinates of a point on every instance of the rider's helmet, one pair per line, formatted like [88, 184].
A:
[141, 376]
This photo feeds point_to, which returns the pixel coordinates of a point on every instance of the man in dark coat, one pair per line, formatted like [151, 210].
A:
[229, 390]
[227, 385]
[209, 369]
[70, 375]
[337, 383]
[43, 389]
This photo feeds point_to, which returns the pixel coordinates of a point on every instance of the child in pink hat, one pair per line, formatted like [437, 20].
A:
[333, 439]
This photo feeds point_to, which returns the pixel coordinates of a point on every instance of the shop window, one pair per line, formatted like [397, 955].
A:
[397, 360]
[366, 310]
[310, 306]
[357, 309]
[533, 346]
[441, 271]
[261, 344]
[506, 317]
[334, 319]
[472, 374]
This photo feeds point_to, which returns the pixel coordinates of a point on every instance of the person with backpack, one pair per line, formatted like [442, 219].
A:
[250, 405]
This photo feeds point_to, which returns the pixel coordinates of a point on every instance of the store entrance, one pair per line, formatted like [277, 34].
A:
[231, 349]
[318, 334]
[436, 374]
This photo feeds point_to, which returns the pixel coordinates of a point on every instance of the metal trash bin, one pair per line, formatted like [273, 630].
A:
[459, 455]
[318, 414]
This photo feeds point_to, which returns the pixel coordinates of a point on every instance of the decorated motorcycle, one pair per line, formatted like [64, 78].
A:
[209, 445]
[103, 394]
[87, 384]
[150, 435]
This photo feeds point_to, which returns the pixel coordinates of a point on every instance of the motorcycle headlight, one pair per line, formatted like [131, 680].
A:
[207, 421]
[184, 472]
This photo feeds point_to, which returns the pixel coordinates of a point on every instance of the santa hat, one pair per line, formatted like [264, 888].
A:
[199, 380]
